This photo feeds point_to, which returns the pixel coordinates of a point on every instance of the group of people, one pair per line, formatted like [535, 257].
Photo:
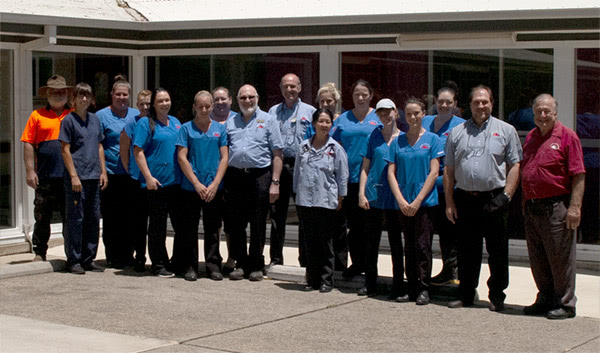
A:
[350, 175]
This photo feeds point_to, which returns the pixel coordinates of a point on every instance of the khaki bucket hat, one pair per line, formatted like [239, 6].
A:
[55, 82]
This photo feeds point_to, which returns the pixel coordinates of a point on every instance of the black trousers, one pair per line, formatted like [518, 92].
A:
[318, 225]
[115, 206]
[139, 221]
[186, 246]
[340, 242]
[418, 233]
[552, 251]
[448, 236]
[474, 224]
[375, 217]
[356, 219]
[49, 196]
[248, 202]
[166, 201]
[279, 212]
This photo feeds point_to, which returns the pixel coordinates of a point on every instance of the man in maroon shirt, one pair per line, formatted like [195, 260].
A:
[552, 177]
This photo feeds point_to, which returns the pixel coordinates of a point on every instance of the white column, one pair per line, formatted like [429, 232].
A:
[138, 77]
[565, 84]
[329, 67]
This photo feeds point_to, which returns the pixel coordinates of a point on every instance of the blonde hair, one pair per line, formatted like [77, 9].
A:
[330, 88]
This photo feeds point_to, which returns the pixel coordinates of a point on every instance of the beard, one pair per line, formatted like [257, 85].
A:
[57, 101]
[249, 111]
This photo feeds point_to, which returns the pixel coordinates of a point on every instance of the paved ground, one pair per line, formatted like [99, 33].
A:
[122, 311]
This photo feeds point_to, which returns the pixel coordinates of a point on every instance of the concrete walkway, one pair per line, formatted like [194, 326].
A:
[122, 311]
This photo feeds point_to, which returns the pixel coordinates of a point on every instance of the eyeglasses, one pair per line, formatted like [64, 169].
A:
[244, 98]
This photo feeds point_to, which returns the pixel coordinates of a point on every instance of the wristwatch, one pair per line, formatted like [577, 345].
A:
[507, 195]
[275, 181]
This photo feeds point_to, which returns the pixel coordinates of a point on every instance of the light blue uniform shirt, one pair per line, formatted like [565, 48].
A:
[112, 125]
[377, 189]
[352, 135]
[293, 123]
[413, 165]
[129, 129]
[443, 132]
[250, 144]
[320, 176]
[159, 149]
[203, 151]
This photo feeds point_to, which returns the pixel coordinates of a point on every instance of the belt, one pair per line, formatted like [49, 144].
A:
[488, 194]
[548, 200]
[251, 170]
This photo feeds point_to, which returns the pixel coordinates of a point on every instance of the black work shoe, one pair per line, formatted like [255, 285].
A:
[216, 276]
[94, 267]
[39, 258]
[536, 309]
[325, 288]
[164, 273]
[561, 313]
[255, 276]
[190, 275]
[77, 269]
[444, 277]
[237, 274]
[401, 298]
[371, 292]
[422, 298]
[226, 270]
[496, 305]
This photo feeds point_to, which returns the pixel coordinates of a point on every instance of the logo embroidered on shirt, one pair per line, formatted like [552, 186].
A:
[372, 123]
[260, 121]
[178, 126]
[447, 133]
[554, 146]
[216, 134]
[497, 134]
[425, 146]
[260, 126]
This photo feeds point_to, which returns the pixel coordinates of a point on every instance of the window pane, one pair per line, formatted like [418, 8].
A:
[588, 130]
[183, 76]
[7, 142]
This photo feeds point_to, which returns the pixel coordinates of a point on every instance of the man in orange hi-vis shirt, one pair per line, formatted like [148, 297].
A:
[43, 160]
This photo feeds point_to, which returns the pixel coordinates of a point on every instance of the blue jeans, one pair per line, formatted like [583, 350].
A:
[82, 222]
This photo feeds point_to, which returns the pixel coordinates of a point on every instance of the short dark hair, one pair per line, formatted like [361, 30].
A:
[417, 101]
[318, 112]
[481, 87]
[362, 82]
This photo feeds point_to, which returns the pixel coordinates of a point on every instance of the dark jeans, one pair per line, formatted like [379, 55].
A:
[551, 248]
[117, 232]
[279, 212]
[83, 222]
[318, 225]
[248, 202]
[448, 236]
[49, 196]
[418, 232]
[165, 201]
[375, 217]
[474, 224]
[356, 220]
[187, 245]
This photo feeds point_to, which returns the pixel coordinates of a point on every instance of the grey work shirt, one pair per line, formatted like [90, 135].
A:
[480, 156]
[293, 123]
[320, 176]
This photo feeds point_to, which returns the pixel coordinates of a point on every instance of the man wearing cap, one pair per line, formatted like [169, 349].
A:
[294, 118]
[482, 161]
[553, 177]
[43, 160]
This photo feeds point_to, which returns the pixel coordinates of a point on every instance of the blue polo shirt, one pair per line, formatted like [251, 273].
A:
[129, 130]
[112, 125]
[377, 189]
[293, 123]
[250, 144]
[203, 151]
[413, 165]
[443, 132]
[83, 138]
[159, 149]
[352, 135]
